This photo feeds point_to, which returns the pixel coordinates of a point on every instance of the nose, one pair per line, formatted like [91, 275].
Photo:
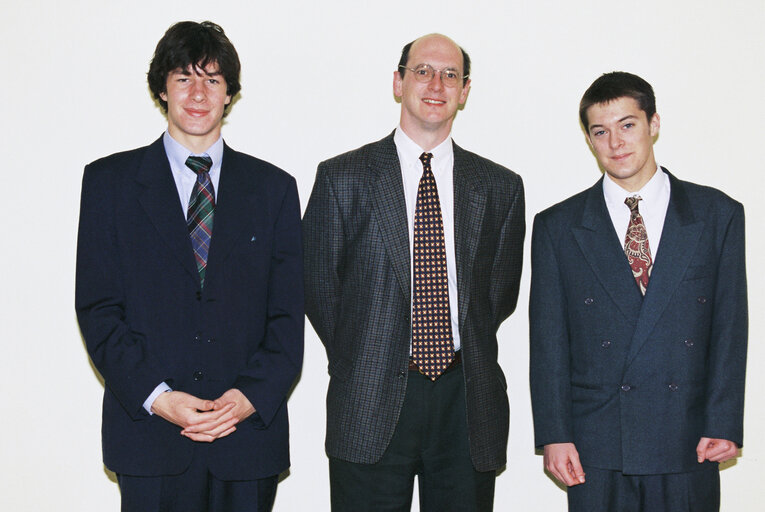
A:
[614, 140]
[435, 83]
[197, 90]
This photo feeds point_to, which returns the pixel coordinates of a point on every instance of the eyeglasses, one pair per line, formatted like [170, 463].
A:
[424, 73]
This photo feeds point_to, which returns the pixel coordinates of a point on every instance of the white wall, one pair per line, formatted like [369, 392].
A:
[317, 82]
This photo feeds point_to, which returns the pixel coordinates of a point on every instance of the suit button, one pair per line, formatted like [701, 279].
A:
[673, 387]
[210, 340]
[198, 376]
[589, 300]
[626, 387]
[605, 344]
[197, 337]
[688, 343]
[401, 374]
[701, 300]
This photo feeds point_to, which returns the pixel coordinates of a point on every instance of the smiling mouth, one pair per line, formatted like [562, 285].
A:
[621, 157]
[196, 113]
[431, 101]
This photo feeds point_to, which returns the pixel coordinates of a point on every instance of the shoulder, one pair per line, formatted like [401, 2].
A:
[569, 210]
[704, 198]
[361, 158]
[485, 168]
[255, 167]
[123, 160]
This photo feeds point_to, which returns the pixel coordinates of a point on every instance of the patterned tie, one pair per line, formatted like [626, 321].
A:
[636, 245]
[201, 211]
[432, 345]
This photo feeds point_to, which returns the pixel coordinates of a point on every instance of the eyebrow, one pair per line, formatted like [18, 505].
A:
[631, 116]
[186, 72]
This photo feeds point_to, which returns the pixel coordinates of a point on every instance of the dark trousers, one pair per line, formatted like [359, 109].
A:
[613, 491]
[196, 490]
[430, 441]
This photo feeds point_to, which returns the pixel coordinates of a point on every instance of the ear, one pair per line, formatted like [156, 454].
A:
[228, 99]
[654, 125]
[464, 93]
[397, 84]
[163, 95]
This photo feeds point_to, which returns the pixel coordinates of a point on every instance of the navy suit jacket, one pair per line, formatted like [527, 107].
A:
[636, 381]
[145, 319]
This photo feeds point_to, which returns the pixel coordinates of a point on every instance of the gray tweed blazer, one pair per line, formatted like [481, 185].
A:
[357, 277]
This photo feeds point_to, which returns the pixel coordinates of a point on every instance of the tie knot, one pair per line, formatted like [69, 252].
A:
[632, 202]
[199, 164]
[425, 159]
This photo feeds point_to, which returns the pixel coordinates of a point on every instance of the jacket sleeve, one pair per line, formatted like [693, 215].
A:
[549, 350]
[508, 260]
[273, 368]
[323, 245]
[724, 415]
[119, 353]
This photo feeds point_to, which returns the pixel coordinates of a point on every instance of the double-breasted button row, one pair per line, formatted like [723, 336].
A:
[605, 343]
[198, 337]
[701, 300]
[198, 375]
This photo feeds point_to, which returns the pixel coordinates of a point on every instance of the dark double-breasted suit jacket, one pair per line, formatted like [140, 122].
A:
[636, 381]
[146, 319]
[358, 295]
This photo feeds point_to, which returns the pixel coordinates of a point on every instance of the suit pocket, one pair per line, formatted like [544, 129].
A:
[698, 272]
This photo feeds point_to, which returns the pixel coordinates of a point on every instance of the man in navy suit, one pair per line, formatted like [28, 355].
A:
[190, 296]
[638, 319]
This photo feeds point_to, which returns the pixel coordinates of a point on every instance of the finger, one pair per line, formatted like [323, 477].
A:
[722, 451]
[200, 438]
[227, 432]
[576, 470]
[701, 449]
[561, 472]
[222, 427]
[206, 422]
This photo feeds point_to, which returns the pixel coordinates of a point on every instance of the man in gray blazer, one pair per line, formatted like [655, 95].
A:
[413, 250]
[638, 318]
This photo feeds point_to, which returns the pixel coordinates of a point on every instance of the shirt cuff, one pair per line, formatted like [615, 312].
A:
[162, 388]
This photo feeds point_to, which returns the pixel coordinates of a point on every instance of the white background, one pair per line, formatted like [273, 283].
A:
[317, 82]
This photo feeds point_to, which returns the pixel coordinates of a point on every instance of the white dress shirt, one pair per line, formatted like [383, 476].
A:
[652, 207]
[442, 165]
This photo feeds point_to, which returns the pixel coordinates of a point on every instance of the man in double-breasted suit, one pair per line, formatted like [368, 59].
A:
[393, 413]
[189, 296]
[638, 322]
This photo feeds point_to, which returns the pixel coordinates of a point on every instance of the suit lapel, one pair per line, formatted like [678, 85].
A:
[160, 202]
[236, 198]
[679, 238]
[387, 192]
[469, 209]
[602, 251]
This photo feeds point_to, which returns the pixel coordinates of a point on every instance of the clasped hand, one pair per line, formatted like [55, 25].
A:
[203, 420]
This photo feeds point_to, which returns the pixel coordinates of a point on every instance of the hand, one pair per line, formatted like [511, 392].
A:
[188, 411]
[562, 461]
[233, 407]
[715, 450]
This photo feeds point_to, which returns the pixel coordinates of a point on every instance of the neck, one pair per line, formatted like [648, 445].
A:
[197, 144]
[426, 139]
